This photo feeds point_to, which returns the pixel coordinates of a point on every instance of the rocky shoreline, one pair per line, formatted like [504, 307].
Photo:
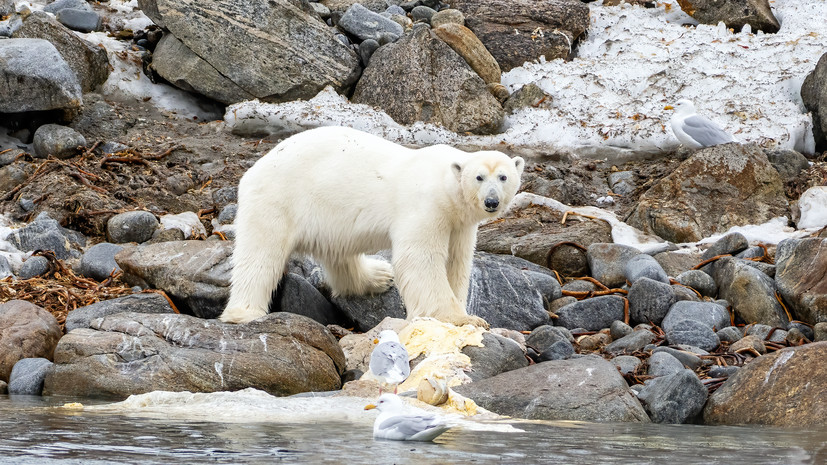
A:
[117, 263]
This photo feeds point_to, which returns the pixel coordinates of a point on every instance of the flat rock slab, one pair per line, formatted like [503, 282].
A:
[581, 389]
[133, 353]
[785, 388]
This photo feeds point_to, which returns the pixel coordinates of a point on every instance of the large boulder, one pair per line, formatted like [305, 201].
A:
[801, 267]
[34, 77]
[814, 96]
[133, 353]
[686, 206]
[734, 13]
[420, 78]
[275, 51]
[581, 389]
[516, 31]
[26, 331]
[784, 388]
[88, 61]
[751, 292]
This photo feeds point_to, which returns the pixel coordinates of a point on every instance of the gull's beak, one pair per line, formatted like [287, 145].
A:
[370, 407]
[375, 341]
[668, 107]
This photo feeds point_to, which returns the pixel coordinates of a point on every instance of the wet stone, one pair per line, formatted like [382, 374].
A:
[27, 376]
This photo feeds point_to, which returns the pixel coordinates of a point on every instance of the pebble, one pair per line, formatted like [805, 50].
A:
[632, 342]
[619, 329]
[749, 342]
[730, 334]
[59, 141]
[33, 266]
[700, 281]
[626, 363]
[135, 226]
[422, 13]
[27, 376]
[688, 359]
[694, 333]
[806, 330]
[820, 332]
[644, 266]
[663, 363]
[366, 49]
[718, 371]
[227, 214]
[98, 262]
[366, 24]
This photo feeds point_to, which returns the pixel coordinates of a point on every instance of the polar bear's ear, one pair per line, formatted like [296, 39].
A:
[457, 169]
[519, 163]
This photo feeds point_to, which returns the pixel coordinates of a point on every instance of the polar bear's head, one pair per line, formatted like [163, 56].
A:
[489, 180]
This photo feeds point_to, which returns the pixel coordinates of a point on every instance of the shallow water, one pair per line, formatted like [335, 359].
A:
[34, 431]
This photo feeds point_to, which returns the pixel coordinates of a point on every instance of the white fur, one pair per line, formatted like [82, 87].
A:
[337, 193]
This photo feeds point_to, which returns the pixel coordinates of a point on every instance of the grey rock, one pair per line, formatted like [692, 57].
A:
[296, 295]
[688, 359]
[275, 51]
[814, 96]
[710, 314]
[619, 329]
[496, 21]
[730, 334]
[684, 293]
[608, 261]
[394, 10]
[694, 333]
[366, 49]
[44, 233]
[626, 364]
[583, 389]
[751, 292]
[27, 376]
[676, 398]
[26, 331]
[98, 262]
[649, 300]
[79, 19]
[717, 371]
[788, 163]
[675, 262]
[4, 387]
[663, 364]
[6, 7]
[195, 274]
[33, 266]
[225, 196]
[89, 62]
[801, 265]
[820, 332]
[58, 141]
[529, 95]
[368, 311]
[498, 355]
[632, 342]
[129, 353]
[82, 317]
[227, 214]
[458, 98]
[320, 9]
[685, 206]
[135, 226]
[422, 13]
[762, 332]
[366, 24]
[543, 337]
[644, 266]
[756, 13]
[59, 5]
[700, 281]
[12, 175]
[35, 77]
[807, 331]
[557, 304]
[592, 314]
[560, 350]
[731, 244]
[5, 267]
[448, 15]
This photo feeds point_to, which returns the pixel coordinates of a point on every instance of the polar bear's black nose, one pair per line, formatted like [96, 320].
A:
[491, 204]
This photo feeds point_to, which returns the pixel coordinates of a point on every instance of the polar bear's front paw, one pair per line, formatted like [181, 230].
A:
[379, 276]
[468, 320]
[241, 315]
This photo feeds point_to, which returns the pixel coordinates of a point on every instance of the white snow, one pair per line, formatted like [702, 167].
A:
[187, 222]
[813, 206]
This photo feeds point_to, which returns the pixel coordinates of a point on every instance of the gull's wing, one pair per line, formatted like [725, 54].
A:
[390, 358]
[409, 425]
[705, 131]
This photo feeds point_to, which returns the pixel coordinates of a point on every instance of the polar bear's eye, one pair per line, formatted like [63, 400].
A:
[503, 177]
[479, 177]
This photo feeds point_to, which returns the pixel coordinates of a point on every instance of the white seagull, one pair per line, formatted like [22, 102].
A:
[393, 423]
[693, 130]
[389, 360]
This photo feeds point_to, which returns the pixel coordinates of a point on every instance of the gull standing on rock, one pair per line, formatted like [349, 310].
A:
[394, 423]
[693, 130]
[389, 360]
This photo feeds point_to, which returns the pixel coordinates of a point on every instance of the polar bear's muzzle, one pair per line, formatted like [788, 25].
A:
[491, 202]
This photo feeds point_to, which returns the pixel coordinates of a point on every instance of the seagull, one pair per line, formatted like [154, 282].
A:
[693, 130]
[393, 423]
[389, 360]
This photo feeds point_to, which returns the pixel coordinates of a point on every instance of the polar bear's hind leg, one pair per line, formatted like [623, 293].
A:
[358, 275]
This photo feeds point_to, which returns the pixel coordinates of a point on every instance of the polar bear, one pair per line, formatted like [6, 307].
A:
[336, 193]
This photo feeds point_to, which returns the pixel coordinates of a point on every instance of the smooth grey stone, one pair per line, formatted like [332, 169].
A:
[296, 295]
[619, 329]
[33, 266]
[684, 293]
[649, 300]
[663, 363]
[731, 243]
[140, 303]
[762, 331]
[751, 292]
[135, 226]
[711, 314]
[98, 262]
[422, 13]
[58, 5]
[560, 350]
[626, 363]
[644, 266]
[366, 49]
[807, 331]
[688, 359]
[498, 355]
[44, 233]
[366, 24]
[395, 10]
[632, 342]
[27, 376]
[694, 333]
[543, 337]
[676, 398]
[225, 195]
[607, 262]
[59, 141]
[700, 281]
[592, 314]
[227, 214]
[730, 334]
[5, 267]
[717, 371]
[79, 20]
[35, 77]
[320, 9]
